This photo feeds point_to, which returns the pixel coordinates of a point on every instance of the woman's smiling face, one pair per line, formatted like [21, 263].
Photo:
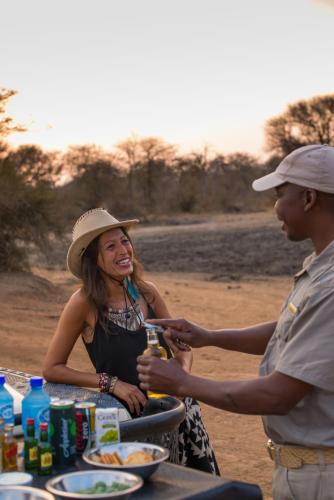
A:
[115, 256]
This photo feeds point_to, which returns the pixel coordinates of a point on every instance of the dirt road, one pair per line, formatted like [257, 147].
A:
[241, 264]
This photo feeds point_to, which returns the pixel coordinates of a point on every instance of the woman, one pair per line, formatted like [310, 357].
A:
[109, 312]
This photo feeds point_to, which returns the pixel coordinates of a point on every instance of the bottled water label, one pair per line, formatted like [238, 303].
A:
[44, 415]
[6, 412]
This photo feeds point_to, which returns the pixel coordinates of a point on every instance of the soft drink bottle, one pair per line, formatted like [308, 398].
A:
[30, 447]
[44, 452]
[9, 449]
[36, 405]
[6, 403]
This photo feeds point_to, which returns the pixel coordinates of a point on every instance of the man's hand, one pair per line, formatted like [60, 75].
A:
[161, 375]
[181, 334]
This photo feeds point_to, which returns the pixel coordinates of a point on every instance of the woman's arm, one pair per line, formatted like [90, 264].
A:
[184, 358]
[71, 323]
[77, 315]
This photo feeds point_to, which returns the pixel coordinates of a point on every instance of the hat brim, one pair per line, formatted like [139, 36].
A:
[268, 181]
[78, 247]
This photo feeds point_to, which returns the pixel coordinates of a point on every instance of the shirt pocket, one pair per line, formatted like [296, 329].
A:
[288, 318]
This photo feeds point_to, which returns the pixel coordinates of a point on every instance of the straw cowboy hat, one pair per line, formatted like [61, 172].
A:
[90, 225]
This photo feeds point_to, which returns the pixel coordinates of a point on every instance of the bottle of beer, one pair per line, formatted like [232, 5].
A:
[2, 437]
[154, 349]
[9, 449]
[30, 447]
[44, 451]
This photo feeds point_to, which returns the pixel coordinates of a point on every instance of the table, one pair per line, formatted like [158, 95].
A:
[159, 417]
[170, 481]
[174, 482]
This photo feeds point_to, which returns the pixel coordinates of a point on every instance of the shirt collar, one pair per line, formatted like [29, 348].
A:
[314, 264]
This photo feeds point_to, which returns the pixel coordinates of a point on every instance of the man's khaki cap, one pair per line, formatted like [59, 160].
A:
[309, 166]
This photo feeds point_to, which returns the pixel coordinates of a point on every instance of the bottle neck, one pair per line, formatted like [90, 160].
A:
[8, 435]
[44, 436]
[152, 338]
[36, 387]
[31, 431]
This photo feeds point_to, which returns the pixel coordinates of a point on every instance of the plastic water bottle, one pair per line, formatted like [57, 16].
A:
[6, 403]
[36, 405]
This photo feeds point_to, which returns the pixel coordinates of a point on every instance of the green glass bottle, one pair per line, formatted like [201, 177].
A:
[30, 447]
[44, 451]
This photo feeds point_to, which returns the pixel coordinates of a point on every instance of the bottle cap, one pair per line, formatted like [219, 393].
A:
[30, 421]
[2, 379]
[36, 381]
[43, 426]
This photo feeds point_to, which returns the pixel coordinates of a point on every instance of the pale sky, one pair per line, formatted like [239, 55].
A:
[194, 72]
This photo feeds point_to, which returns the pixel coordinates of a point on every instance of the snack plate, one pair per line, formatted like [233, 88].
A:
[144, 470]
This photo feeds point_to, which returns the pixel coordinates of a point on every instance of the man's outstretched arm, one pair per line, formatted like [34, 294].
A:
[181, 333]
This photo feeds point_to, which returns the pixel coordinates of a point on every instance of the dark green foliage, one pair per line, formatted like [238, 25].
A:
[25, 217]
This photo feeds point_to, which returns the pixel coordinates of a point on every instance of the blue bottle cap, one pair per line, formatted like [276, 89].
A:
[2, 379]
[36, 381]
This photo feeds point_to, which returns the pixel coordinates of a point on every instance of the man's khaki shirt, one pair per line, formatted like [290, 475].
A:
[302, 347]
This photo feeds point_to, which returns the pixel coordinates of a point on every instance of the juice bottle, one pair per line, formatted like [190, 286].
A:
[9, 449]
[44, 451]
[154, 349]
[30, 447]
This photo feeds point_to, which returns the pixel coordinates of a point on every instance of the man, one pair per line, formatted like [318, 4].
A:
[294, 393]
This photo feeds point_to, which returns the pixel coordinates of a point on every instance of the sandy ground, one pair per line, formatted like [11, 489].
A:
[229, 289]
[29, 312]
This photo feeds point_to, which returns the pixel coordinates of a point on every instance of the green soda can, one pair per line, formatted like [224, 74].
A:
[62, 432]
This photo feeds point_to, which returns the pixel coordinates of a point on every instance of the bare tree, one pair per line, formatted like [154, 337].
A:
[304, 122]
[6, 122]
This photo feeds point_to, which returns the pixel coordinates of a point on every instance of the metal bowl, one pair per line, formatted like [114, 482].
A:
[15, 479]
[24, 493]
[158, 453]
[68, 485]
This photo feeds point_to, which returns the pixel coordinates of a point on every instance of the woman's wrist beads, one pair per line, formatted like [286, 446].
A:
[112, 385]
[104, 382]
[107, 383]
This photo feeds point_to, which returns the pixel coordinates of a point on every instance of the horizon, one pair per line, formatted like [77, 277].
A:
[195, 74]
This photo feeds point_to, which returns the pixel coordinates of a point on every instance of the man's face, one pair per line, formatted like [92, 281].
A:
[289, 209]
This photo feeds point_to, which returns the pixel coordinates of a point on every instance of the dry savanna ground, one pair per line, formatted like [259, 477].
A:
[223, 271]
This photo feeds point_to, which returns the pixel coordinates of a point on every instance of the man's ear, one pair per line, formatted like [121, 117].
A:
[310, 198]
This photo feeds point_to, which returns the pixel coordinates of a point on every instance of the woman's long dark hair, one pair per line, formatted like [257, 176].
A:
[94, 281]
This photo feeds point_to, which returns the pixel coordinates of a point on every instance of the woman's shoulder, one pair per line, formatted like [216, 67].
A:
[155, 300]
[79, 299]
[148, 288]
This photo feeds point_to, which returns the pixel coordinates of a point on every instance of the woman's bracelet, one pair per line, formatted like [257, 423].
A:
[112, 385]
[104, 382]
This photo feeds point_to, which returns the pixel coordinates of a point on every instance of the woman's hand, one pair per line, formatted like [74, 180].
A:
[131, 395]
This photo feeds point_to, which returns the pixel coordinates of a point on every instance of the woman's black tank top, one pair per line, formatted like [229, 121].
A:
[115, 350]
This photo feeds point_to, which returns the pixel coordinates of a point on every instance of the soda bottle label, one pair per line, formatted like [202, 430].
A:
[33, 454]
[46, 460]
[11, 451]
